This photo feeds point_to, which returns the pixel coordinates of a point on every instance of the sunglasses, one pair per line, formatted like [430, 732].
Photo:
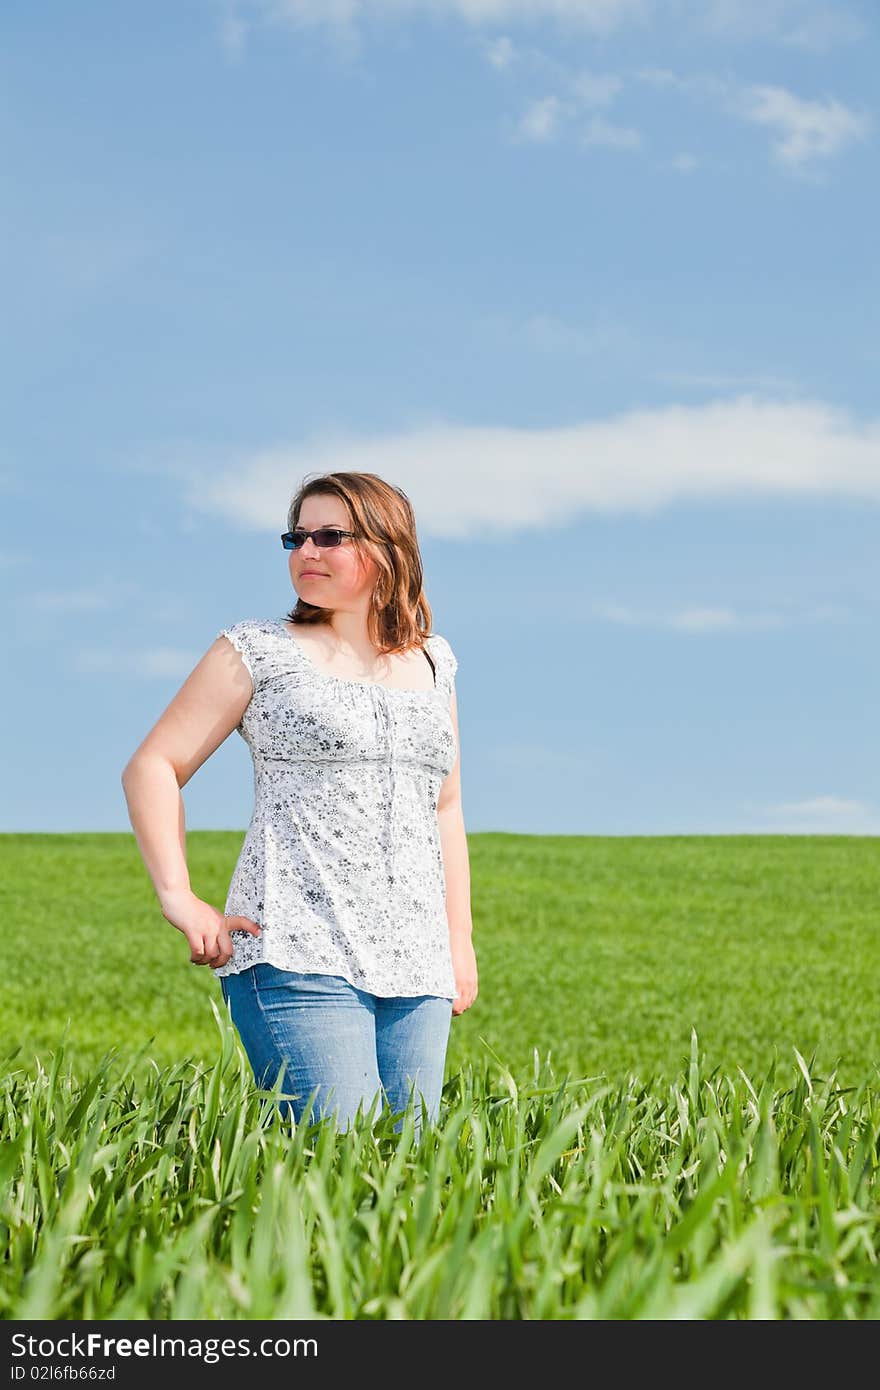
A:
[326, 537]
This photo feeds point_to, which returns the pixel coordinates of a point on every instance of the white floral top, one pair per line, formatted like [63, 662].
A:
[341, 865]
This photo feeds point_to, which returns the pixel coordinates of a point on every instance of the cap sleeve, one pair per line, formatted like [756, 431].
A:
[248, 640]
[446, 663]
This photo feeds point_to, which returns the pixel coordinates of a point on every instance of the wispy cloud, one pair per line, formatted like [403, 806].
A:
[822, 28]
[704, 86]
[542, 120]
[540, 757]
[595, 88]
[12, 484]
[683, 163]
[582, 92]
[819, 806]
[819, 815]
[615, 137]
[701, 619]
[69, 600]
[462, 478]
[153, 663]
[802, 23]
[766, 383]
[808, 23]
[90, 258]
[500, 52]
[550, 334]
[805, 130]
[233, 30]
[343, 16]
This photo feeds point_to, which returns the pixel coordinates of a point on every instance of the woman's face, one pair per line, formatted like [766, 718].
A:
[335, 577]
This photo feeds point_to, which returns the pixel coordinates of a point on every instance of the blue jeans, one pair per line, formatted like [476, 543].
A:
[339, 1042]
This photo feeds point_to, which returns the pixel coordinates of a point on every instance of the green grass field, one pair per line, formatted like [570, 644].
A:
[604, 953]
[664, 1104]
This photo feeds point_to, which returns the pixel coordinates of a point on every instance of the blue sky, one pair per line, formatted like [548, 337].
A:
[595, 281]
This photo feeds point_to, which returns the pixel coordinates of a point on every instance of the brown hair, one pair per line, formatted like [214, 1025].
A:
[382, 516]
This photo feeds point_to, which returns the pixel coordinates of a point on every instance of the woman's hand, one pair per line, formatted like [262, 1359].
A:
[464, 963]
[205, 928]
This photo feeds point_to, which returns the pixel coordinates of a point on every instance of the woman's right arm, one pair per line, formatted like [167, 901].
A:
[205, 710]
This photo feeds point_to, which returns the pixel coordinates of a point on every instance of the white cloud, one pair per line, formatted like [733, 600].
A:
[339, 14]
[764, 382]
[595, 89]
[683, 163]
[820, 815]
[13, 483]
[805, 130]
[541, 121]
[705, 86]
[501, 52]
[550, 334]
[89, 258]
[819, 805]
[233, 32]
[705, 619]
[597, 16]
[803, 23]
[613, 137]
[70, 600]
[719, 619]
[821, 29]
[809, 23]
[540, 757]
[9, 559]
[158, 662]
[463, 478]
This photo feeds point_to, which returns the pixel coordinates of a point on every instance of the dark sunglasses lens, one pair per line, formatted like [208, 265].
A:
[294, 540]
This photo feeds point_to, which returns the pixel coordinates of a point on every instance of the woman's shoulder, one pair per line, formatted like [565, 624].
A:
[256, 641]
[440, 646]
[251, 625]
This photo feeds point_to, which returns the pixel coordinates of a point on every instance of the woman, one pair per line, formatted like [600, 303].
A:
[345, 945]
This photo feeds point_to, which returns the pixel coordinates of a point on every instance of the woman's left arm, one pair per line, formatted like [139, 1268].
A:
[456, 868]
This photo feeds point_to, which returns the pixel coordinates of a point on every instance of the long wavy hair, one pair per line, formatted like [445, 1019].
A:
[382, 517]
